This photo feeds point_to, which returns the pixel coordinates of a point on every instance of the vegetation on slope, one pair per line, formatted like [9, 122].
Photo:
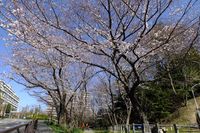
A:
[184, 115]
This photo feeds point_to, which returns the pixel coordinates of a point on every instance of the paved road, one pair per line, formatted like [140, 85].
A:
[7, 123]
[43, 128]
[88, 131]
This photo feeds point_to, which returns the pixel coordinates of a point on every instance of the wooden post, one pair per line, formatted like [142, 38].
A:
[155, 128]
[128, 128]
[176, 128]
[133, 128]
[143, 129]
[18, 131]
[26, 127]
[35, 124]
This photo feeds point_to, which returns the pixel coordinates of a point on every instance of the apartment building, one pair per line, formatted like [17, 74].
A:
[51, 111]
[7, 96]
[80, 103]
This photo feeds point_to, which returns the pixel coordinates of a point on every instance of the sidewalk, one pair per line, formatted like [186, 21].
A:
[43, 128]
[88, 131]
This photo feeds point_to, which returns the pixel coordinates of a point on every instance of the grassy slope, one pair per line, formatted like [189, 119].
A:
[185, 115]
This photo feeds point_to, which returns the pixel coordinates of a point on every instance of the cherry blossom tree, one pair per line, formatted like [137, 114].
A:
[105, 98]
[122, 38]
[48, 75]
[113, 100]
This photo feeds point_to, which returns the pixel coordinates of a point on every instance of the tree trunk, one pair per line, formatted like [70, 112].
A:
[128, 116]
[61, 115]
[127, 130]
[110, 119]
[61, 118]
[136, 105]
[115, 119]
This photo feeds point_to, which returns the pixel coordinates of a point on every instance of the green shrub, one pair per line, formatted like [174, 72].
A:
[57, 128]
[101, 131]
[61, 129]
[40, 116]
[77, 130]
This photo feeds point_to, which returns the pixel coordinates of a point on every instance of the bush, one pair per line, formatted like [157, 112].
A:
[77, 130]
[61, 129]
[40, 116]
[58, 129]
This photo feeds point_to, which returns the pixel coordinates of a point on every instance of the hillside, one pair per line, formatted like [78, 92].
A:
[185, 115]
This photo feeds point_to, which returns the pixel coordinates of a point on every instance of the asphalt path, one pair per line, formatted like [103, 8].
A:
[43, 128]
[8, 123]
[88, 131]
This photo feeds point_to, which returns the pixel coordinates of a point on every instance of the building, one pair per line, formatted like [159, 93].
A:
[80, 104]
[51, 111]
[7, 96]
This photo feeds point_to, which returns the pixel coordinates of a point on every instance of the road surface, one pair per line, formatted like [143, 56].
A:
[88, 131]
[7, 123]
[43, 128]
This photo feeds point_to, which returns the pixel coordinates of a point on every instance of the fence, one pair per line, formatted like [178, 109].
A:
[155, 128]
[28, 128]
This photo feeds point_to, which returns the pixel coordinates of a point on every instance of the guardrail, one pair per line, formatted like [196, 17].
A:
[155, 128]
[30, 127]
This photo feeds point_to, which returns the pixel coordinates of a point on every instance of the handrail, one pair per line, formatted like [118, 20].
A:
[16, 127]
[30, 127]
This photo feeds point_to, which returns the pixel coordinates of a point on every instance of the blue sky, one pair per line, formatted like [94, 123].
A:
[25, 98]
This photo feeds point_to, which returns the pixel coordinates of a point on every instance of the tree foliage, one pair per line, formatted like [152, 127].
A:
[8, 108]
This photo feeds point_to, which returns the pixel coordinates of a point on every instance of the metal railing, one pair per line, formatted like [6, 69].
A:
[30, 127]
[155, 128]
